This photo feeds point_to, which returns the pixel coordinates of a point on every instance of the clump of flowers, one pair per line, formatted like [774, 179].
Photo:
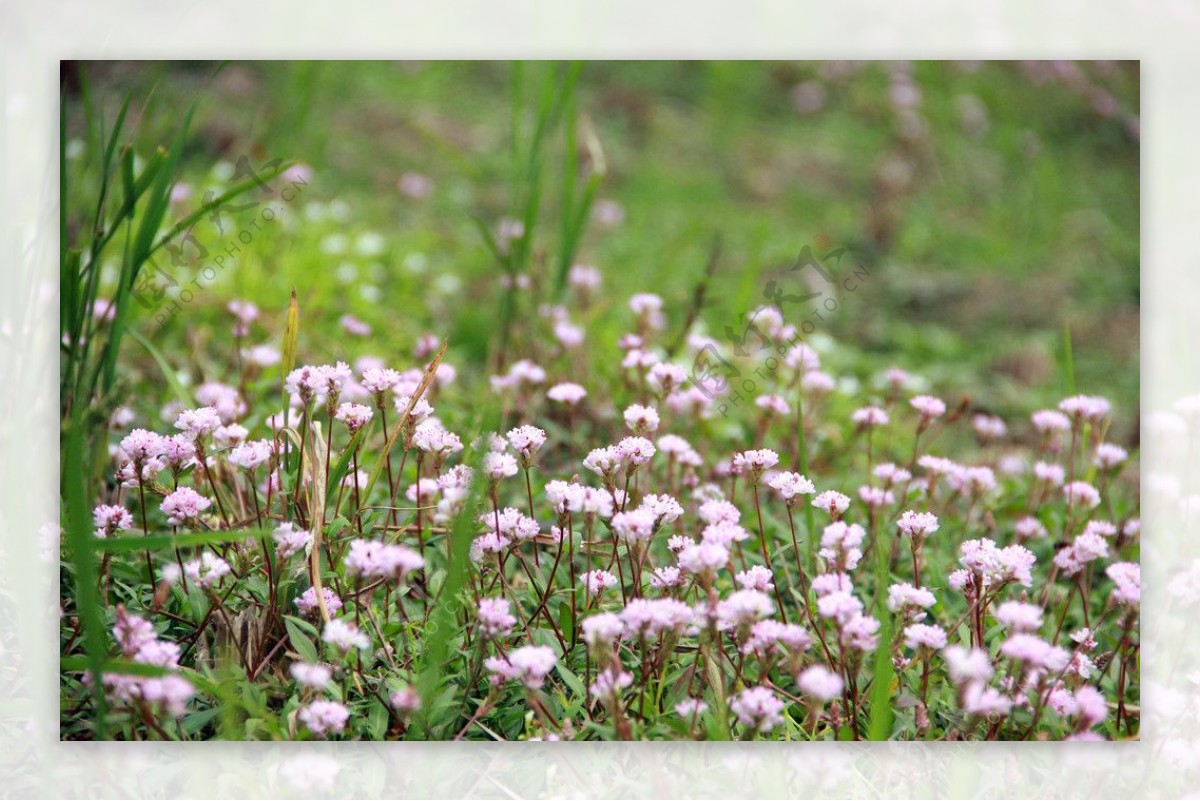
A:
[651, 549]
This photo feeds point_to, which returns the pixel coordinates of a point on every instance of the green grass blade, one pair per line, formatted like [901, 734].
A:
[172, 379]
[81, 541]
[168, 542]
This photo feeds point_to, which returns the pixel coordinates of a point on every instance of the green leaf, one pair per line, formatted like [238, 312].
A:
[301, 644]
[334, 482]
[196, 721]
[571, 680]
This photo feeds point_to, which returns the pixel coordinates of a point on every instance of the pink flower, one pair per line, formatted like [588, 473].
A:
[979, 699]
[420, 411]
[207, 570]
[184, 505]
[937, 465]
[897, 379]
[664, 508]
[306, 602]
[414, 185]
[839, 606]
[919, 635]
[354, 415]
[1087, 547]
[859, 633]
[964, 665]
[909, 601]
[869, 417]
[636, 525]
[290, 540]
[647, 618]
[1052, 474]
[1035, 652]
[354, 326]
[314, 676]
[703, 559]
[997, 565]
[840, 545]
[1018, 616]
[584, 278]
[891, 475]
[513, 525]
[142, 446]
[1091, 707]
[665, 378]
[817, 382]
[835, 503]
[827, 583]
[1030, 528]
[1048, 421]
[723, 534]
[773, 637]
[405, 701]
[918, 525]
[755, 462]
[1086, 407]
[664, 577]
[344, 635]
[929, 407]
[526, 440]
[250, 455]
[802, 357]
[971, 480]
[772, 404]
[757, 577]
[609, 683]
[743, 608]
[641, 419]
[719, 510]
[226, 400]
[988, 428]
[379, 380]
[494, 617]
[690, 707]
[529, 664]
[323, 717]
[377, 559]
[789, 485]
[603, 461]
[570, 394]
[757, 708]
[875, 497]
[111, 519]
[648, 307]
[1128, 579]
[1109, 456]
[602, 630]
[198, 423]
[635, 451]
[499, 465]
[820, 683]
[229, 435]
[597, 581]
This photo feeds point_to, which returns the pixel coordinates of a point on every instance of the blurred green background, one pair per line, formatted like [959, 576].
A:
[994, 205]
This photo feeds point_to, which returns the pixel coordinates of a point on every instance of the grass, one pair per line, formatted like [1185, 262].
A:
[996, 255]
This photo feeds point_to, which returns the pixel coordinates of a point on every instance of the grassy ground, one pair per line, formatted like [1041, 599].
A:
[1014, 216]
